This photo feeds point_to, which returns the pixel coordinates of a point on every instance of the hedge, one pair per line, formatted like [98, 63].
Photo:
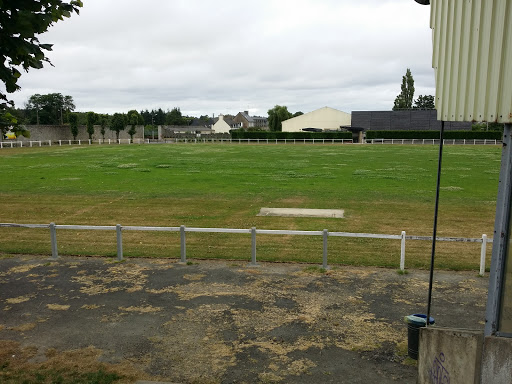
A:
[449, 135]
[239, 134]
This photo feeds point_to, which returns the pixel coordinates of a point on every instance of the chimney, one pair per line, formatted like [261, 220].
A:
[247, 113]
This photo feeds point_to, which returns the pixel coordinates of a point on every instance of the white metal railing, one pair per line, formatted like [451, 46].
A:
[435, 141]
[39, 143]
[253, 231]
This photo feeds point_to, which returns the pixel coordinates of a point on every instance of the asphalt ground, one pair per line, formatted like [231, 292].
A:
[227, 322]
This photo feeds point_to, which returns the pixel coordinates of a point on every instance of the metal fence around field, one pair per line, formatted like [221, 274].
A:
[253, 232]
[49, 143]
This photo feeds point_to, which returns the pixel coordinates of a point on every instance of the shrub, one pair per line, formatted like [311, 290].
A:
[264, 135]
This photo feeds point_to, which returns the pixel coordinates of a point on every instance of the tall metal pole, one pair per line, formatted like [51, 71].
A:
[434, 235]
[501, 237]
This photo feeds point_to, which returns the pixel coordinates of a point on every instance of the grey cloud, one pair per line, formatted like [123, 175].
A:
[220, 57]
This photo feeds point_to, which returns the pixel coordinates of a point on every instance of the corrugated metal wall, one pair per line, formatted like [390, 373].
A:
[403, 121]
[472, 59]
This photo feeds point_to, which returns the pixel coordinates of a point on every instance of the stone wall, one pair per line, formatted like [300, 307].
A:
[63, 132]
[171, 131]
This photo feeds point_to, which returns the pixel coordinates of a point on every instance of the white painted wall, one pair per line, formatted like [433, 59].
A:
[221, 126]
[324, 118]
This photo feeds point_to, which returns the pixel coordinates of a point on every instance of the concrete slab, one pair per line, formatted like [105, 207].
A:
[497, 361]
[302, 212]
[449, 356]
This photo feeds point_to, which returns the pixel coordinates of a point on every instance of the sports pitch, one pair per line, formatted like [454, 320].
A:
[383, 189]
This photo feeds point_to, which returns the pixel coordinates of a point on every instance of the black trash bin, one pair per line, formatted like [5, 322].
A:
[414, 323]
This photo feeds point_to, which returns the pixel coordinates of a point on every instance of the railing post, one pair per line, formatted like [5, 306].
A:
[53, 236]
[402, 252]
[253, 247]
[119, 242]
[324, 259]
[482, 254]
[183, 244]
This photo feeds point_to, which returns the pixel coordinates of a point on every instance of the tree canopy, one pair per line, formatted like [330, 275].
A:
[91, 119]
[117, 124]
[276, 116]
[425, 102]
[49, 109]
[134, 118]
[73, 124]
[406, 96]
[20, 23]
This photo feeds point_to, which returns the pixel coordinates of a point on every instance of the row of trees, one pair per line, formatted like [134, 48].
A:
[172, 117]
[50, 109]
[117, 123]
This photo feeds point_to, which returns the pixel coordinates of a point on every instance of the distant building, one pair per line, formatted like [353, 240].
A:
[203, 123]
[324, 118]
[243, 120]
[409, 120]
[223, 124]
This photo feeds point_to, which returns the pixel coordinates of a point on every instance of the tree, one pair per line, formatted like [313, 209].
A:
[174, 117]
[159, 116]
[404, 99]
[134, 118]
[73, 123]
[7, 122]
[48, 109]
[34, 103]
[91, 119]
[424, 102]
[117, 124]
[103, 125]
[276, 116]
[299, 113]
[68, 106]
[21, 21]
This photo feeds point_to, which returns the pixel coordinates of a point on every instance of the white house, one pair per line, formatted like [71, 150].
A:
[222, 126]
[323, 118]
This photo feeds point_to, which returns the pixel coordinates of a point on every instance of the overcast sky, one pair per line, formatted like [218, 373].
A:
[210, 57]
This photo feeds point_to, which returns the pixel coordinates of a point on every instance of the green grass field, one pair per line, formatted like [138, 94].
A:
[383, 189]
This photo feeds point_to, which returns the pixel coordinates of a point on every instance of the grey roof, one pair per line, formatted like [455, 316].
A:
[247, 117]
[201, 123]
[251, 119]
[229, 121]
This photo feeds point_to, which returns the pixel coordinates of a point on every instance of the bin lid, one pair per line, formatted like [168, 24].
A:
[419, 319]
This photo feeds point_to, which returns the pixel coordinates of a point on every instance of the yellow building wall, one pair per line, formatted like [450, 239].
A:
[323, 118]
[221, 126]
